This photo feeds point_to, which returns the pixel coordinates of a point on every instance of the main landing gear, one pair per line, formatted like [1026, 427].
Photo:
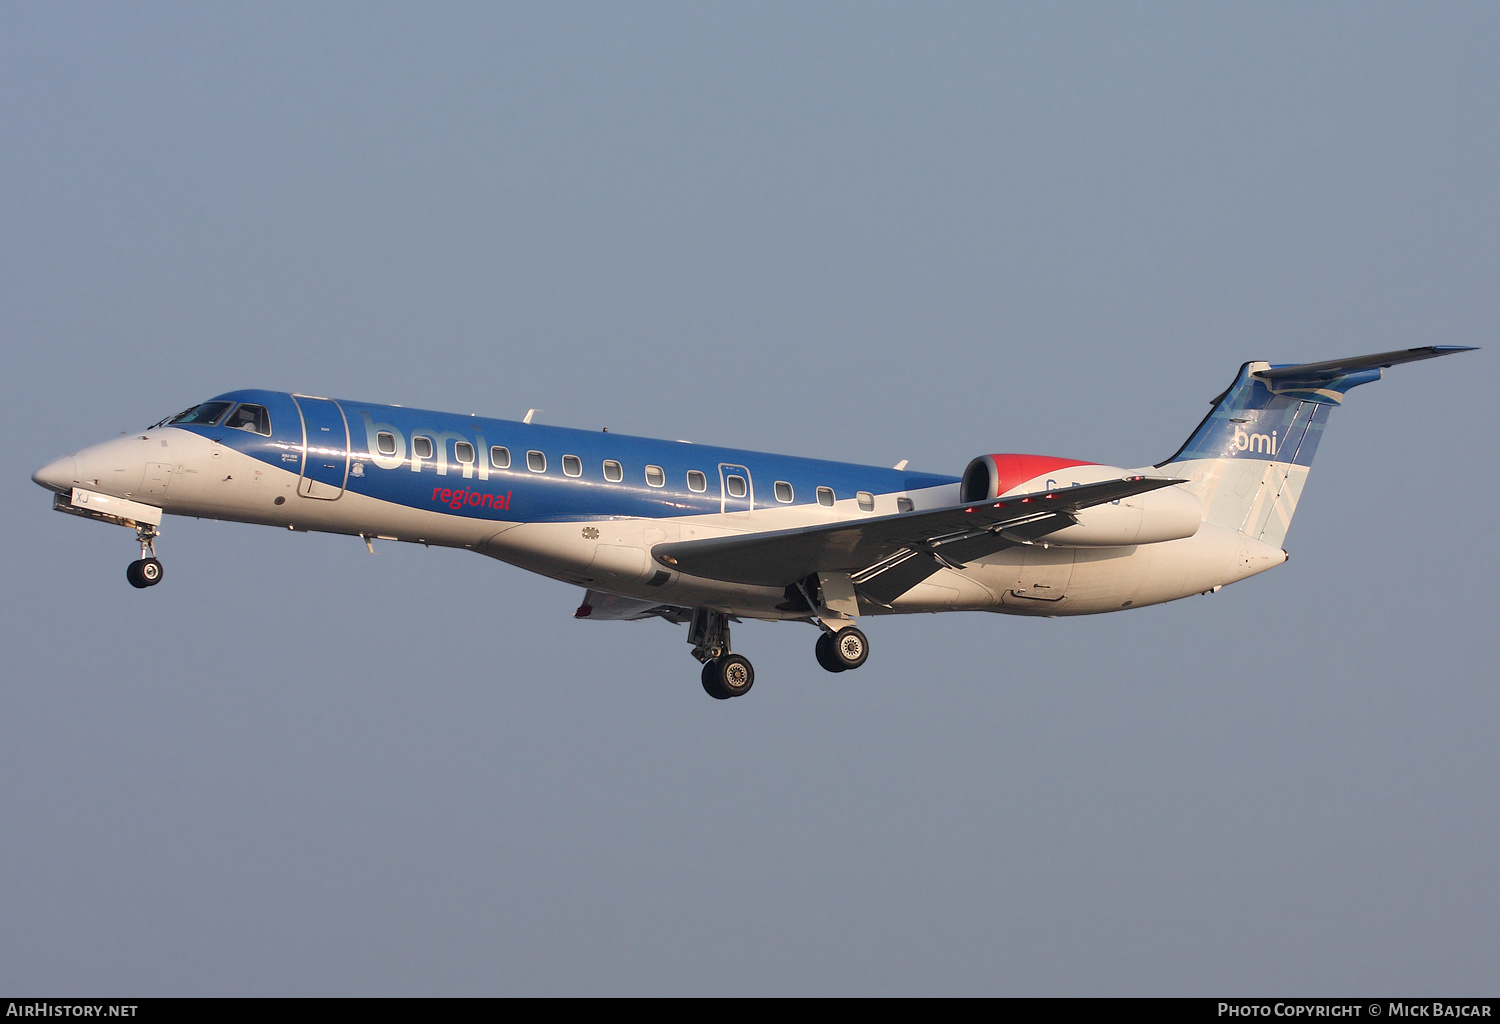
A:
[145, 571]
[728, 675]
[725, 675]
[841, 651]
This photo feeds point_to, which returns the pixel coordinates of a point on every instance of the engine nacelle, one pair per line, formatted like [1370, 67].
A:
[1169, 513]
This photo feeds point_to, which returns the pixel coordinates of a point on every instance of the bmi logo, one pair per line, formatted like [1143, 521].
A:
[1260, 443]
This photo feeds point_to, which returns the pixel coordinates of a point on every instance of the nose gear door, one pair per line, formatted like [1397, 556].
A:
[325, 448]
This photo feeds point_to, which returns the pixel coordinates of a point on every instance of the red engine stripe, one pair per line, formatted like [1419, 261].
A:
[1017, 469]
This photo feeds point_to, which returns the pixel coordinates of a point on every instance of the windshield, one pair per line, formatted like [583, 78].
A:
[203, 415]
[253, 418]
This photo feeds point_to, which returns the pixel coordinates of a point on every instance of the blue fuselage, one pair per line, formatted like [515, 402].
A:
[510, 471]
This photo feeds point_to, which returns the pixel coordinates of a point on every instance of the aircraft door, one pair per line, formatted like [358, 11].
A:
[736, 490]
[1041, 579]
[325, 448]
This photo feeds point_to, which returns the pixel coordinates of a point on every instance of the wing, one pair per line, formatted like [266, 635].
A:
[886, 556]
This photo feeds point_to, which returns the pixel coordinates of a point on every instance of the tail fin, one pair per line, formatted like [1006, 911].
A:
[1249, 458]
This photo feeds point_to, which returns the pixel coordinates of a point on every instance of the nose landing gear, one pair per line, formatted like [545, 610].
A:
[145, 571]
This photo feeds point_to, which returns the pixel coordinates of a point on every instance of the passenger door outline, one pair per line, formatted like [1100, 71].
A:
[729, 504]
[325, 448]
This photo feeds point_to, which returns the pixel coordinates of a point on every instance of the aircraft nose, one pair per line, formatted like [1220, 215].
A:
[58, 475]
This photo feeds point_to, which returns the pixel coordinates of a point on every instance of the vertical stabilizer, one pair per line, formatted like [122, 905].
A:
[1249, 459]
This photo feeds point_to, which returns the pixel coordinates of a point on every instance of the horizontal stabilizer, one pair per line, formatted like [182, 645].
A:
[1335, 368]
[947, 536]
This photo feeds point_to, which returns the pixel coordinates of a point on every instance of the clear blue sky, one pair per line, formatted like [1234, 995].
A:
[864, 231]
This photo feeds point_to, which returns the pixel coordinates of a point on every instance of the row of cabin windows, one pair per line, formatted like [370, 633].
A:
[257, 419]
[736, 485]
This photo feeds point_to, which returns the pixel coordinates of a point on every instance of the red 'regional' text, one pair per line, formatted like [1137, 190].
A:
[456, 499]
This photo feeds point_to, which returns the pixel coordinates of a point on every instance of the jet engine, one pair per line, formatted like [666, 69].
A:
[1169, 513]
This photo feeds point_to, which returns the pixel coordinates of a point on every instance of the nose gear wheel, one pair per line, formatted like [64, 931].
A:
[144, 572]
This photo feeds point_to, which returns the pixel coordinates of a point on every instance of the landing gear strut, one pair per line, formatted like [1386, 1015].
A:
[145, 571]
[725, 675]
[841, 651]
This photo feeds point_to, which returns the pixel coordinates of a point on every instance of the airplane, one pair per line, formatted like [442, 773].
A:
[708, 536]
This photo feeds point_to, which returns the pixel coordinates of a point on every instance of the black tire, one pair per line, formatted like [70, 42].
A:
[151, 571]
[736, 674]
[825, 654]
[849, 647]
[711, 680]
[133, 574]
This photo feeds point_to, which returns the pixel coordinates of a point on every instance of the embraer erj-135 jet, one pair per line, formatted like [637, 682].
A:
[709, 536]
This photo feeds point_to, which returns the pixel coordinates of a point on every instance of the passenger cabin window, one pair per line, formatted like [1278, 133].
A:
[385, 443]
[253, 418]
[736, 486]
[866, 501]
[463, 452]
[572, 466]
[500, 457]
[536, 462]
[613, 471]
[421, 447]
[783, 491]
[904, 505]
[654, 476]
[825, 496]
[697, 481]
[205, 415]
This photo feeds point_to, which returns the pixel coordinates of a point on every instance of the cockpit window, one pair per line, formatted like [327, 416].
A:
[253, 418]
[205, 415]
